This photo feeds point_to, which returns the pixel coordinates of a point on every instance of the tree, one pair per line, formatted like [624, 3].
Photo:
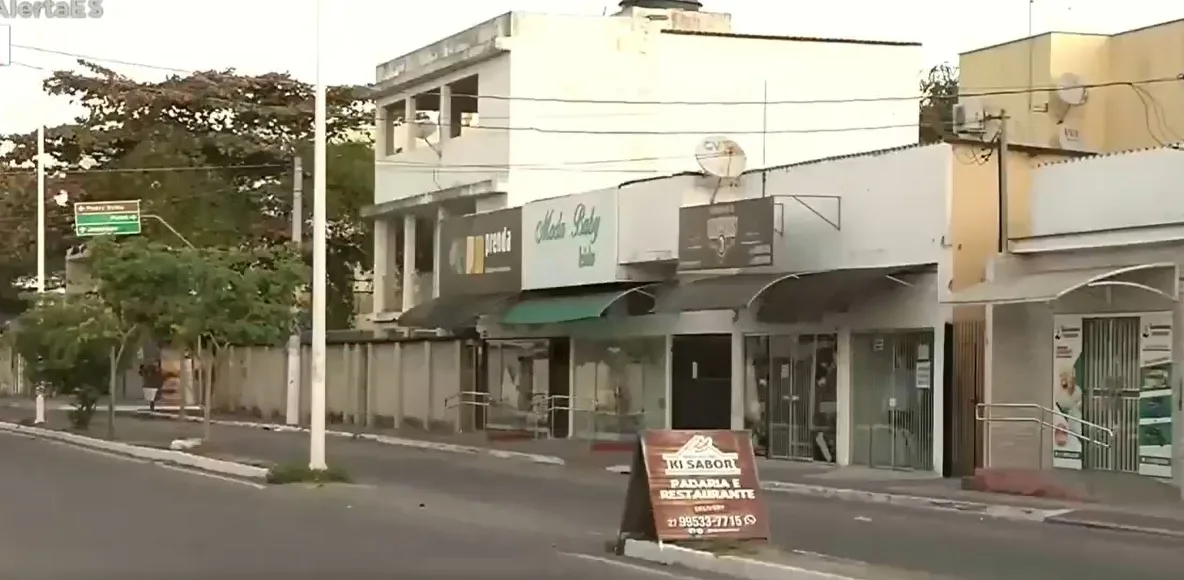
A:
[246, 129]
[939, 94]
[67, 345]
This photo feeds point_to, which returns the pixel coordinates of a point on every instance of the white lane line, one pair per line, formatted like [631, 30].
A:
[211, 475]
[627, 565]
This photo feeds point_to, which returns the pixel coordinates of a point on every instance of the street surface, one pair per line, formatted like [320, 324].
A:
[72, 514]
[457, 512]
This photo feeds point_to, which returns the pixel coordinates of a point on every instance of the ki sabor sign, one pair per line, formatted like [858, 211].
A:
[570, 240]
[694, 485]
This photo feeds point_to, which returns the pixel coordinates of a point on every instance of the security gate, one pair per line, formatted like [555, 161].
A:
[892, 386]
[1110, 381]
[801, 397]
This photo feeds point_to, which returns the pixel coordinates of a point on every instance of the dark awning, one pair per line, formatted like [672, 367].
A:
[569, 308]
[817, 291]
[453, 312]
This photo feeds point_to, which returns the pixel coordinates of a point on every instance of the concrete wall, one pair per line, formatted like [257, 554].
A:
[412, 384]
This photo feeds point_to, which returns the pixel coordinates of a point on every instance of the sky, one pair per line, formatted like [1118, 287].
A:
[258, 36]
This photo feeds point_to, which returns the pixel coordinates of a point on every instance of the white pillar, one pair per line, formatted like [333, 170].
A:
[381, 271]
[668, 398]
[1178, 387]
[988, 378]
[409, 137]
[409, 272]
[738, 376]
[438, 250]
[937, 384]
[445, 123]
[843, 410]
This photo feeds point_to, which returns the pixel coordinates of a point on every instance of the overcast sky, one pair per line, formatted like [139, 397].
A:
[267, 35]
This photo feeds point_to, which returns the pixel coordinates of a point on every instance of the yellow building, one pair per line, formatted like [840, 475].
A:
[1147, 112]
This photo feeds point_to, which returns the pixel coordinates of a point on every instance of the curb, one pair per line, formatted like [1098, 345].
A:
[1102, 525]
[167, 456]
[1008, 512]
[749, 569]
[383, 439]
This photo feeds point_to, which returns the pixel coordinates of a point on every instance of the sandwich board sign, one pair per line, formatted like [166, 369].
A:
[107, 218]
[694, 485]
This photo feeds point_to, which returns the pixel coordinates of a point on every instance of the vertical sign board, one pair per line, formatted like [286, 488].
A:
[570, 240]
[1067, 398]
[1155, 394]
[737, 234]
[694, 485]
[107, 218]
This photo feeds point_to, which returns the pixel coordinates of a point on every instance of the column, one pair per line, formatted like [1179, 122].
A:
[438, 250]
[409, 272]
[409, 137]
[1178, 394]
[937, 383]
[843, 410]
[669, 396]
[445, 123]
[380, 271]
[738, 374]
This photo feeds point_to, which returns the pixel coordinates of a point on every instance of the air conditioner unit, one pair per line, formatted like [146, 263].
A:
[968, 119]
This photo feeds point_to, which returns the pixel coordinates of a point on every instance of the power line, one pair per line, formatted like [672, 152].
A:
[911, 97]
[174, 169]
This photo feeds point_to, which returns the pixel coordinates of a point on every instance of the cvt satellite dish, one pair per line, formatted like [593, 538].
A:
[721, 157]
[1071, 90]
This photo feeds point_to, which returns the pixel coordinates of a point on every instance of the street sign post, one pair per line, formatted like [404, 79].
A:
[107, 218]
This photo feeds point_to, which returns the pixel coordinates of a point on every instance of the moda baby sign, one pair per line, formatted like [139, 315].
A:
[1066, 392]
[570, 241]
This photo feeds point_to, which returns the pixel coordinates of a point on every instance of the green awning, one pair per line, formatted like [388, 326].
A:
[556, 309]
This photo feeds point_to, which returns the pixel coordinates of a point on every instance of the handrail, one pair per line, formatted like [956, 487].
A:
[979, 416]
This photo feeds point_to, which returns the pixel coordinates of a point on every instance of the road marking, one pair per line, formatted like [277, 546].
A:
[211, 475]
[628, 565]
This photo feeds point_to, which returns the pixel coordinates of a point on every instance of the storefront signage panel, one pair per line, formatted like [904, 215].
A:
[736, 234]
[570, 240]
[480, 253]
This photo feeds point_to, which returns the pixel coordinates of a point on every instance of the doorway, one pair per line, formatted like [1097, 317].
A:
[701, 389]
[1110, 381]
[558, 406]
[892, 399]
[798, 407]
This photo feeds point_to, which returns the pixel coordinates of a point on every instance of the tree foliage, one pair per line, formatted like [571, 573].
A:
[939, 94]
[66, 344]
[244, 129]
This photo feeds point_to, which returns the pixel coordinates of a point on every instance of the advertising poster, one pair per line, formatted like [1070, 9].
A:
[1066, 392]
[1155, 395]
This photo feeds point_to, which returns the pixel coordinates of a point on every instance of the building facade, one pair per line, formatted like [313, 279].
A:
[530, 106]
[1084, 311]
[1130, 95]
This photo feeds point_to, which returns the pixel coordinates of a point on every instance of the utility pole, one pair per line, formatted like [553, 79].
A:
[39, 417]
[1004, 194]
[292, 412]
[316, 395]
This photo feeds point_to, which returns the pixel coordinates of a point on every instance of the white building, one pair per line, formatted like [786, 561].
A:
[530, 106]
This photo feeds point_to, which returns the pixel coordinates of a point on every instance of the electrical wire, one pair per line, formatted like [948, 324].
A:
[173, 169]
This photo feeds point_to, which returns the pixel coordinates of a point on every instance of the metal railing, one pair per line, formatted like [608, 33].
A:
[983, 412]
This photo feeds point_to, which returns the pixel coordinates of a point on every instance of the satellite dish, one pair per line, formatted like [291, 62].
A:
[424, 129]
[1071, 90]
[721, 157]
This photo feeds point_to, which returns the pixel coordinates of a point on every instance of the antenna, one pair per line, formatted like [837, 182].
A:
[1071, 90]
[721, 157]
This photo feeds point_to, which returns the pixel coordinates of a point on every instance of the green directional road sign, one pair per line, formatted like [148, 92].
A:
[107, 218]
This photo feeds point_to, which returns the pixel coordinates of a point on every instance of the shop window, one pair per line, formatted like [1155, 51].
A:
[518, 385]
[618, 387]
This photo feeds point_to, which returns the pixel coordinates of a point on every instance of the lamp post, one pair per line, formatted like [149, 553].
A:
[39, 416]
[316, 444]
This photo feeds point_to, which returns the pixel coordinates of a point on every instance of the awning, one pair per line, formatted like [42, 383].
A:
[816, 291]
[1049, 286]
[557, 309]
[453, 312]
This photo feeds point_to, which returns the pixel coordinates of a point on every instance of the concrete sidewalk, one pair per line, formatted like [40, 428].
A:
[261, 443]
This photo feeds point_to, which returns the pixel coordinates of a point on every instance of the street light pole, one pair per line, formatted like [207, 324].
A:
[39, 417]
[316, 444]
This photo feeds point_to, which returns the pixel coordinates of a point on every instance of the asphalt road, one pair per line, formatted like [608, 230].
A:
[575, 503]
[70, 514]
